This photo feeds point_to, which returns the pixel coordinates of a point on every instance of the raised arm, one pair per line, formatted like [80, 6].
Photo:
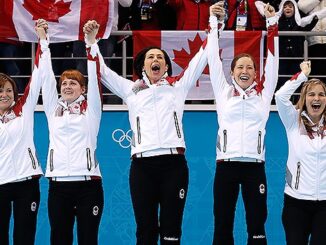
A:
[94, 100]
[286, 109]
[270, 75]
[216, 73]
[28, 101]
[49, 83]
[197, 64]
[117, 84]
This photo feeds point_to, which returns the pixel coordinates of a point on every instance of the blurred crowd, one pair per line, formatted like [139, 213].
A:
[183, 15]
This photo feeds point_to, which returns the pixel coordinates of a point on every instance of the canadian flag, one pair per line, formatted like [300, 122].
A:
[182, 46]
[65, 18]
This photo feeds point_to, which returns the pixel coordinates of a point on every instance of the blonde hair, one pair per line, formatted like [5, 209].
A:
[301, 104]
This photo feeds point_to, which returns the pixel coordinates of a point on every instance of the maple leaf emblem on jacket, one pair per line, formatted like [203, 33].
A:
[182, 57]
[50, 10]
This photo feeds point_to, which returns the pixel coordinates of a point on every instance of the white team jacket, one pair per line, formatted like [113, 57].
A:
[242, 115]
[156, 110]
[17, 151]
[306, 164]
[73, 129]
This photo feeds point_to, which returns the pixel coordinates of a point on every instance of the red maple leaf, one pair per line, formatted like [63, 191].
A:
[182, 58]
[50, 10]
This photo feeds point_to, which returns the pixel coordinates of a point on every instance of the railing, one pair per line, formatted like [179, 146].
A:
[127, 60]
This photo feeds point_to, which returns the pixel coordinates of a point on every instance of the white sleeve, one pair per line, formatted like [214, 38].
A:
[307, 6]
[94, 103]
[286, 109]
[120, 86]
[216, 72]
[270, 76]
[32, 91]
[49, 86]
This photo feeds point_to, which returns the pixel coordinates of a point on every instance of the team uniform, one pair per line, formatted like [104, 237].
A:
[75, 179]
[159, 172]
[19, 168]
[304, 209]
[240, 151]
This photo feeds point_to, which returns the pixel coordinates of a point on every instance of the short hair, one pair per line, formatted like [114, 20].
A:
[73, 74]
[140, 59]
[5, 78]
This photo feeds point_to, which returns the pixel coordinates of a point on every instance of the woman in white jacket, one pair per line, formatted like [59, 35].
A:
[304, 211]
[243, 109]
[75, 188]
[159, 173]
[19, 168]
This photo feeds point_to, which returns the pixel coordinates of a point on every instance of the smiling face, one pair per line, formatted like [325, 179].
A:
[243, 71]
[288, 9]
[71, 90]
[315, 102]
[155, 65]
[6, 97]
[72, 85]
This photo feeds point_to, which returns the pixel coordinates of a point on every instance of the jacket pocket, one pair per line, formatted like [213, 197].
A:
[32, 158]
[138, 130]
[176, 122]
[225, 138]
[89, 159]
[259, 143]
[297, 179]
[51, 160]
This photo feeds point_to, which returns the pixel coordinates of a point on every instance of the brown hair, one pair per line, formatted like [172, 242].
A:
[239, 56]
[73, 74]
[140, 59]
[5, 78]
[301, 104]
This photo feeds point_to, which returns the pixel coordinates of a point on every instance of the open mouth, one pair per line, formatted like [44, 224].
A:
[4, 100]
[156, 67]
[244, 78]
[316, 106]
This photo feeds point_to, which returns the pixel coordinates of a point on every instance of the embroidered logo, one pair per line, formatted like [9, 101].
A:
[262, 188]
[33, 206]
[95, 210]
[182, 193]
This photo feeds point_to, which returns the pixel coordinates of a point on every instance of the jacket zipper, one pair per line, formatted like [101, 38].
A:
[176, 122]
[89, 159]
[138, 130]
[296, 186]
[51, 160]
[259, 143]
[225, 140]
[32, 158]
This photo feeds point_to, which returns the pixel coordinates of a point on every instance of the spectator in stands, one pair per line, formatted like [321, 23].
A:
[151, 15]
[75, 185]
[243, 110]
[304, 211]
[159, 173]
[291, 46]
[191, 14]
[317, 44]
[244, 16]
[19, 168]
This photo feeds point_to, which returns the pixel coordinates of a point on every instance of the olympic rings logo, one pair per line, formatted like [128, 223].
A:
[122, 138]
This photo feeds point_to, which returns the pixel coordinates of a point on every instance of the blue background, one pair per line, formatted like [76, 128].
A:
[118, 225]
